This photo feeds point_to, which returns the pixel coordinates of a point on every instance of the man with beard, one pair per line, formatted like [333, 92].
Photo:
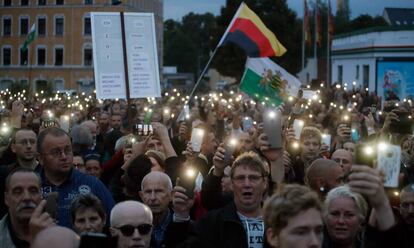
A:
[24, 200]
[23, 145]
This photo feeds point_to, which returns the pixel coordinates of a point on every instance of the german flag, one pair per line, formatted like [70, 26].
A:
[248, 31]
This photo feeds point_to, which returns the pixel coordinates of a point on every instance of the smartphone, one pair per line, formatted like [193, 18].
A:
[297, 127]
[326, 139]
[48, 123]
[247, 123]
[355, 133]
[230, 147]
[187, 180]
[365, 154]
[404, 125]
[97, 240]
[388, 161]
[140, 130]
[197, 136]
[346, 119]
[272, 126]
[293, 148]
[51, 204]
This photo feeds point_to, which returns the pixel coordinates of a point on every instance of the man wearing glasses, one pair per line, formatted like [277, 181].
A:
[58, 175]
[131, 222]
[239, 224]
[23, 144]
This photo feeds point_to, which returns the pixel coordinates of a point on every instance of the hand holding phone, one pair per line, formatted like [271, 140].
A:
[187, 181]
[230, 147]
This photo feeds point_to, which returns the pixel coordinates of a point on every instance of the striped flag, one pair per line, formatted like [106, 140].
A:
[30, 37]
[248, 31]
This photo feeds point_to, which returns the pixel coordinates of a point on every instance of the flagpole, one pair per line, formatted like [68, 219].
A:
[201, 75]
[328, 47]
[315, 30]
[303, 37]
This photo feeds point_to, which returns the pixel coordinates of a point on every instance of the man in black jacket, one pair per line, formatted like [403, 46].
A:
[170, 227]
[239, 224]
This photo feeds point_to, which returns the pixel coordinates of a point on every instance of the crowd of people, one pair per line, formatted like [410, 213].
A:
[76, 171]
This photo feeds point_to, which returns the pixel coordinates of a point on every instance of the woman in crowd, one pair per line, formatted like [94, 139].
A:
[88, 214]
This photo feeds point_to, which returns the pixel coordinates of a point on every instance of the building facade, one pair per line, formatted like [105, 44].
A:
[380, 59]
[60, 57]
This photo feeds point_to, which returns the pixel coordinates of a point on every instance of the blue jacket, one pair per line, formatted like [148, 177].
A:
[77, 183]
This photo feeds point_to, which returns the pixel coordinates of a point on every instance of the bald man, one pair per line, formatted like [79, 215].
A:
[170, 225]
[323, 175]
[56, 236]
[343, 158]
[131, 222]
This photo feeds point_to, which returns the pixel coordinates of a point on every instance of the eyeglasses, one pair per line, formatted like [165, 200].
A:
[56, 152]
[128, 230]
[26, 142]
[251, 178]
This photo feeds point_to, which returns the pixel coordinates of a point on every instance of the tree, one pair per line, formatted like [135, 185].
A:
[187, 43]
[277, 17]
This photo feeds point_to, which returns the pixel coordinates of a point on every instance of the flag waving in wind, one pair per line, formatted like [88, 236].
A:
[264, 80]
[30, 37]
[248, 31]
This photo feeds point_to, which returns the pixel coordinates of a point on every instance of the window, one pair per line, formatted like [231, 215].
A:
[59, 26]
[59, 85]
[87, 26]
[41, 56]
[41, 26]
[58, 56]
[6, 84]
[24, 2]
[41, 85]
[87, 56]
[60, 2]
[41, 2]
[24, 55]
[7, 2]
[365, 76]
[357, 72]
[340, 73]
[24, 26]
[6, 56]
[88, 2]
[7, 26]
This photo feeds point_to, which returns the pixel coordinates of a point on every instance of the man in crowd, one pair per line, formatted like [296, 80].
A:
[170, 227]
[343, 158]
[23, 144]
[58, 174]
[239, 224]
[56, 236]
[309, 148]
[323, 175]
[131, 222]
[24, 201]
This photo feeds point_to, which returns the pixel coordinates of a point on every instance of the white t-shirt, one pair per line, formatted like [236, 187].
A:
[254, 228]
